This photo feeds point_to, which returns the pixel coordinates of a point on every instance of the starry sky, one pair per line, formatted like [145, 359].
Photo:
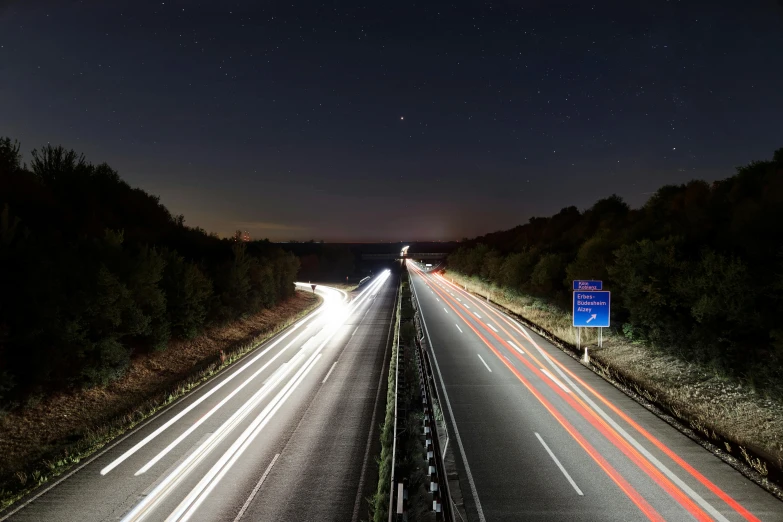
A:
[429, 120]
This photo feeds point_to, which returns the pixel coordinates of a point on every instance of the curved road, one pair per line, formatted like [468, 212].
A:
[287, 433]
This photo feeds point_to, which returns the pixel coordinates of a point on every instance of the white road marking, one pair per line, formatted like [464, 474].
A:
[445, 446]
[354, 332]
[188, 506]
[477, 315]
[469, 474]
[485, 363]
[467, 305]
[556, 381]
[495, 329]
[119, 460]
[657, 463]
[149, 502]
[329, 372]
[438, 299]
[458, 328]
[444, 309]
[273, 381]
[458, 299]
[516, 347]
[255, 489]
[666, 471]
[570, 480]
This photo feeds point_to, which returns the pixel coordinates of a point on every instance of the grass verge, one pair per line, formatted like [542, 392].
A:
[46, 438]
[380, 500]
[729, 414]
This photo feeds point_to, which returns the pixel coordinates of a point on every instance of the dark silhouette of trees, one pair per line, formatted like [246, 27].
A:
[697, 271]
[93, 271]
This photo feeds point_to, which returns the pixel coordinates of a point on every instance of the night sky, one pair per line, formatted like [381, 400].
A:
[392, 120]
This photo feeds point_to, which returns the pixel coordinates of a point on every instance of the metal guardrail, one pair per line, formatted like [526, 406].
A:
[441, 495]
[396, 396]
[438, 479]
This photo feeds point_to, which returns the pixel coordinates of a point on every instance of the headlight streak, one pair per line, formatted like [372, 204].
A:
[331, 321]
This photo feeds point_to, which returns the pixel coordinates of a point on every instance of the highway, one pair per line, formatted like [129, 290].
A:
[538, 436]
[289, 432]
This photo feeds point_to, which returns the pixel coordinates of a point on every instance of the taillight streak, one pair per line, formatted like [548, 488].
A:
[660, 445]
[591, 416]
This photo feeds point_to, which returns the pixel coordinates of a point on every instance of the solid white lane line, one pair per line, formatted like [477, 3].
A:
[664, 469]
[444, 309]
[477, 315]
[458, 328]
[485, 363]
[354, 331]
[255, 489]
[445, 447]
[469, 474]
[329, 372]
[229, 378]
[570, 480]
[495, 329]
[517, 348]
[555, 380]
[149, 502]
[362, 474]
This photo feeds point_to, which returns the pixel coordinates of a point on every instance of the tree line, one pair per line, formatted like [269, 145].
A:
[93, 271]
[697, 271]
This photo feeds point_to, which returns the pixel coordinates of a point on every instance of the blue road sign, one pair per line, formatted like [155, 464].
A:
[588, 285]
[591, 309]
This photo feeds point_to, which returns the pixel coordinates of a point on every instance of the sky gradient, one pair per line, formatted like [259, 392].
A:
[394, 120]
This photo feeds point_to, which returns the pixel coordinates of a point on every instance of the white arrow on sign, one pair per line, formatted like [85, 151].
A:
[591, 318]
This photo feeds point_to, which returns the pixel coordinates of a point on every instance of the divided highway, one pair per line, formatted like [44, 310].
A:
[288, 433]
[537, 436]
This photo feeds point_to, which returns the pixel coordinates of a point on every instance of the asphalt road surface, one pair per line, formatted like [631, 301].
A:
[288, 433]
[538, 436]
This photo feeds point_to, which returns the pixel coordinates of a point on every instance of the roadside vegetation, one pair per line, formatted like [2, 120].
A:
[697, 272]
[410, 456]
[112, 308]
[45, 438]
[696, 276]
[95, 272]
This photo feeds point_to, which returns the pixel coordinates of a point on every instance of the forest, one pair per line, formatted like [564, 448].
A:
[696, 272]
[93, 272]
